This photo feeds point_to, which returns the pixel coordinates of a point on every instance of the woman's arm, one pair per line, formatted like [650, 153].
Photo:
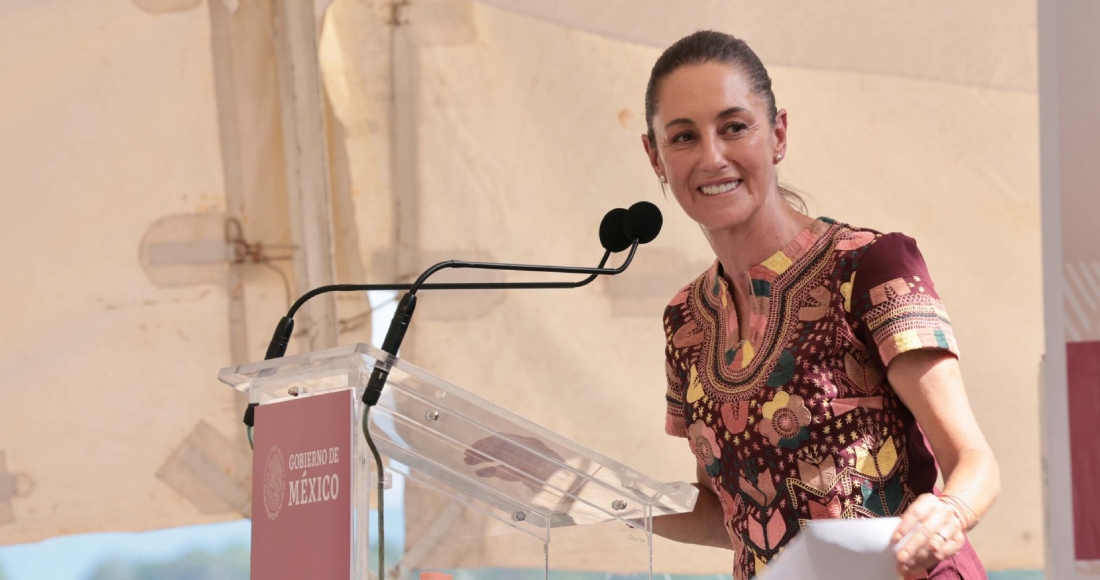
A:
[703, 525]
[930, 385]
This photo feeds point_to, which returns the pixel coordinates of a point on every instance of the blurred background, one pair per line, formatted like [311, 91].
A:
[178, 171]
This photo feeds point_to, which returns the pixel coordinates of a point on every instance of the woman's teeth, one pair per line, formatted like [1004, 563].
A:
[721, 188]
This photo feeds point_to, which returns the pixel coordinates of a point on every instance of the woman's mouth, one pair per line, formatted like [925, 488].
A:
[720, 188]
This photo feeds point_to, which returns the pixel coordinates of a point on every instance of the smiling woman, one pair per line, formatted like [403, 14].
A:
[813, 364]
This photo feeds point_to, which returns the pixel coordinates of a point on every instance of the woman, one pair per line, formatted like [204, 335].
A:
[805, 364]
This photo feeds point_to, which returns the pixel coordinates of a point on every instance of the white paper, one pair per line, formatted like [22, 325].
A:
[839, 549]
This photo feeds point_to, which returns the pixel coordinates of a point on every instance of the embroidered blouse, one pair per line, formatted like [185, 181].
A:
[793, 418]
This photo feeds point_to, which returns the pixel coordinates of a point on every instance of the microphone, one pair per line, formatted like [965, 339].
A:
[643, 222]
[613, 236]
[620, 229]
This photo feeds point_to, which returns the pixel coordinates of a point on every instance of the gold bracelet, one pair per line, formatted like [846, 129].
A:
[966, 516]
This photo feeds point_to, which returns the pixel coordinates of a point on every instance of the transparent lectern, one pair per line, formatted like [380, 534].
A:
[491, 494]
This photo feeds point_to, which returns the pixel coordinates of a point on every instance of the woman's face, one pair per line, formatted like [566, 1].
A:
[716, 145]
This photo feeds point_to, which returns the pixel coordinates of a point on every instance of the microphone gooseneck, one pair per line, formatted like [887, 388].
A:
[401, 319]
[620, 229]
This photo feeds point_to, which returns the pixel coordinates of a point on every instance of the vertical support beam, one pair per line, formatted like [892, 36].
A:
[404, 124]
[221, 39]
[1057, 490]
[306, 158]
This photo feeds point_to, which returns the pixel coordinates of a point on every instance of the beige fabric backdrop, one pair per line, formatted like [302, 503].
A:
[129, 133]
[108, 125]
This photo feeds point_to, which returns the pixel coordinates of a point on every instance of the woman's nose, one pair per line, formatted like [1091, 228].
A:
[713, 152]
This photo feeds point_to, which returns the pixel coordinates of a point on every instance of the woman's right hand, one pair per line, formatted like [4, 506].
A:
[937, 534]
[705, 525]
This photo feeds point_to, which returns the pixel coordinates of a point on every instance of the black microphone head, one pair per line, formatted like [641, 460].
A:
[613, 231]
[643, 222]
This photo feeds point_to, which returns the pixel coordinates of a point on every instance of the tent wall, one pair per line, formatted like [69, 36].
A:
[982, 43]
[143, 147]
[109, 141]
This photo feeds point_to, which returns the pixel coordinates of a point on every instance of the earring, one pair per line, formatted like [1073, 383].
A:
[778, 157]
[664, 180]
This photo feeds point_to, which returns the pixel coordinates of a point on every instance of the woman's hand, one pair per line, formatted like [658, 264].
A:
[939, 534]
[705, 525]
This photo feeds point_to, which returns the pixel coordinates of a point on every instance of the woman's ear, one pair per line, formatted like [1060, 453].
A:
[654, 160]
[780, 135]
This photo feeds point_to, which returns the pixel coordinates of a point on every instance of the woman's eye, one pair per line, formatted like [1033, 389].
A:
[736, 127]
[683, 137]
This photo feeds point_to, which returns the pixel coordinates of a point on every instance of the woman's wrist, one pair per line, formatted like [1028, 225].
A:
[966, 516]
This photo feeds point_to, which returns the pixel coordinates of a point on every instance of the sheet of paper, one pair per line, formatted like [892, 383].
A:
[838, 549]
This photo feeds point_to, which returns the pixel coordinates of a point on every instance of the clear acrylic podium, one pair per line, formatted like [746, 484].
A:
[492, 495]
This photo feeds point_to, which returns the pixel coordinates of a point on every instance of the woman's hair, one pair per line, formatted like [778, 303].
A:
[711, 46]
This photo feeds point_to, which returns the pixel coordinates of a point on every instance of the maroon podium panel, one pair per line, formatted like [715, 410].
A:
[302, 488]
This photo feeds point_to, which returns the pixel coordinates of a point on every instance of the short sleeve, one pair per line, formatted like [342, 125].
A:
[895, 303]
[675, 359]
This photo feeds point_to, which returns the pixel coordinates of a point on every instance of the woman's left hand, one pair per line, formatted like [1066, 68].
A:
[939, 535]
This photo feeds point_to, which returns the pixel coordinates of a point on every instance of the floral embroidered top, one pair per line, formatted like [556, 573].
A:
[793, 417]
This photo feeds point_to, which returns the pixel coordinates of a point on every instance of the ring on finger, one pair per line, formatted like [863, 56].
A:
[942, 548]
[937, 542]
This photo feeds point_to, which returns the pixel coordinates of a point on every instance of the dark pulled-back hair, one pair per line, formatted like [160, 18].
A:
[706, 46]
[702, 47]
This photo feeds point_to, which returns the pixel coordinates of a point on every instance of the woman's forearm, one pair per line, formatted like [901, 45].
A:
[702, 526]
[930, 384]
[975, 479]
